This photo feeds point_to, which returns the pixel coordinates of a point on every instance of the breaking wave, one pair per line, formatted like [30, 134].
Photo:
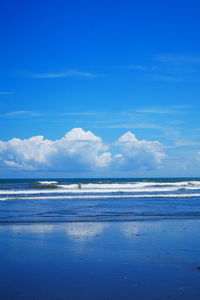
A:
[49, 189]
[96, 199]
[45, 184]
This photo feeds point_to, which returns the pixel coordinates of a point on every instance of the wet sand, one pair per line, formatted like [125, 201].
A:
[101, 260]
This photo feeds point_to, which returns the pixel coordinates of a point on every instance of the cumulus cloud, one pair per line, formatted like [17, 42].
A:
[137, 154]
[79, 151]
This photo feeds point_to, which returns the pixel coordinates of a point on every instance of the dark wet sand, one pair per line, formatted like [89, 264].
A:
[147, 260]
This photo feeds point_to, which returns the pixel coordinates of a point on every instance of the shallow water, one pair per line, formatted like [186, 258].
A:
[98, 199]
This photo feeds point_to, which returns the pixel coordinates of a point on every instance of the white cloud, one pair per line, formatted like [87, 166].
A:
[69, 73]
[29, 113]
[167, 78]
[175, 109]
[128, 67]
[78, 114]
[79, 151]
[137, 154]
[20, 113]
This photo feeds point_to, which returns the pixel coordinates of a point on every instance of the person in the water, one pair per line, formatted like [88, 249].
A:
[79, 185]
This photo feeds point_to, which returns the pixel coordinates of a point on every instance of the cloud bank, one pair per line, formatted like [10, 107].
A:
[80, 151]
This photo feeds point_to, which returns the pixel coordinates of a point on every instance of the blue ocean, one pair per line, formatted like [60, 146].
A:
[62, 200]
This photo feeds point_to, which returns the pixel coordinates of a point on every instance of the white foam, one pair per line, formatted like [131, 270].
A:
[105, 188]
[88, 191]
[47, 182]
[103, 196]
[129, 185]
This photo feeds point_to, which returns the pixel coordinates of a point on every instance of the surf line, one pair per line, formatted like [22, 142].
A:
[102, 196]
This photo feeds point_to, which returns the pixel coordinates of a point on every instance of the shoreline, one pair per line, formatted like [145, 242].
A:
[145, 219]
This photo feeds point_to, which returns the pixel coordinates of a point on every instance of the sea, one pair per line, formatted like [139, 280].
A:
[92, 200]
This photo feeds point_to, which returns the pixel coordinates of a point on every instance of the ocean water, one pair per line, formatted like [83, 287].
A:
[62, 200]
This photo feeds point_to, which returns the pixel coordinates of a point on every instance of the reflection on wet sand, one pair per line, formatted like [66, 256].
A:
[147, 260]
[129, 229]
[31, 228]
[85, 231]
[82, 231]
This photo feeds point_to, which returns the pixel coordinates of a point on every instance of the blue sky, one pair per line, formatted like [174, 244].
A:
[108, 67]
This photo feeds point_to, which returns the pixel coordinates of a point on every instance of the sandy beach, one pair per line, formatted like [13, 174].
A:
[100, 260]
